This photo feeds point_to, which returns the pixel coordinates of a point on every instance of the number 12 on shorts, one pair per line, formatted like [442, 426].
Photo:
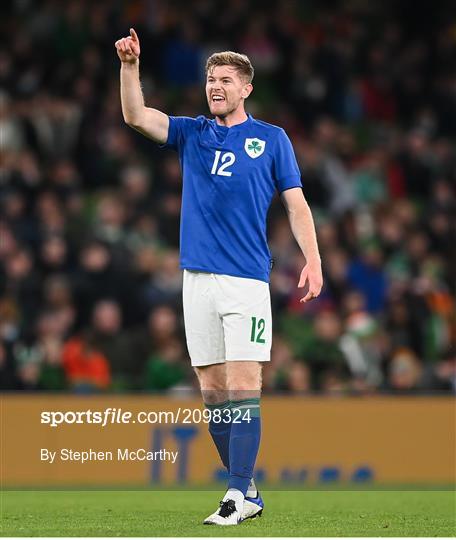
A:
[257, 330]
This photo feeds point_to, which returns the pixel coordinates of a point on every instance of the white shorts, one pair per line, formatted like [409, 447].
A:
[226, 318]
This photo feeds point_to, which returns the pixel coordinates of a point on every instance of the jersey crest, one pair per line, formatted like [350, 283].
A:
[254, 147]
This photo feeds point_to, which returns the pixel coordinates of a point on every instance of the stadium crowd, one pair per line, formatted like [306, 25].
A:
[90, 285]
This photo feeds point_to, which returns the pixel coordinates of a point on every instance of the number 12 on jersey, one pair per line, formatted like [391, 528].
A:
[226, 159]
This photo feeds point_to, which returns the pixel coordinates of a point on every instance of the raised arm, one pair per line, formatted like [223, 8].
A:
[303, 229]
[150, 122]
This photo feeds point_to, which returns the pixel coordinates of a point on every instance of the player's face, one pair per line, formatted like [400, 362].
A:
[225, 90]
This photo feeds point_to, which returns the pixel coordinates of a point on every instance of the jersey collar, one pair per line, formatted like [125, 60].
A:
[242, 125]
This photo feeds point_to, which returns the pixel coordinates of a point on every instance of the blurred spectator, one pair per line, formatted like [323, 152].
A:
[97, 277]
[324, 355]
[135, 188]
[166, 283]
[13, 136]
[39, 356]
[108, 337]
[368, 275]
[405, 372]
[181, 60]
[284, 372]
[86, 368]
[22, 284]
[364, 347]
[166, 365]
[53, 254]
[445, 373]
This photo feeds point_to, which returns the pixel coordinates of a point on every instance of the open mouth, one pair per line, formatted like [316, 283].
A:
[217, 98]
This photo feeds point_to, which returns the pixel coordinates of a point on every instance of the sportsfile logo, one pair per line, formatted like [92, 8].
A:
[110, 416]
[103, 418]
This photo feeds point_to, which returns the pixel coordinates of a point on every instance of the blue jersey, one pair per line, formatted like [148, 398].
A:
[229, 178]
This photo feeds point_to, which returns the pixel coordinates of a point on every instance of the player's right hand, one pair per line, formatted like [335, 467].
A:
[128, 48]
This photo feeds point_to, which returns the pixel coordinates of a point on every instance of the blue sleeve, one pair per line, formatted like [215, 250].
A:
[179, 128]
[285, 167]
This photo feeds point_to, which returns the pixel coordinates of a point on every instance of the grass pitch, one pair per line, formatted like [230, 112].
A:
[179, 513]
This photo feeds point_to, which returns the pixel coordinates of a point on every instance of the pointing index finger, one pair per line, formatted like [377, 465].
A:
[133, 34]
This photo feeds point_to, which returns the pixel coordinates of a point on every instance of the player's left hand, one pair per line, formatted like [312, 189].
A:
[312, 275]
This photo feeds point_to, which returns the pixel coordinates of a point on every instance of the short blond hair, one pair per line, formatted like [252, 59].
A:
[239, 61]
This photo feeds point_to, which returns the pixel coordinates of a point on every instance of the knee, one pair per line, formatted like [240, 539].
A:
[210, 380]
[244, 382]
[212, 384]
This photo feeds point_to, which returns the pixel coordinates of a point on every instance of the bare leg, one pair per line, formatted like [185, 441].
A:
[243, 379]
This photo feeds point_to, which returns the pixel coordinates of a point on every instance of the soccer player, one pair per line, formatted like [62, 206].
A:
[232, 165]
